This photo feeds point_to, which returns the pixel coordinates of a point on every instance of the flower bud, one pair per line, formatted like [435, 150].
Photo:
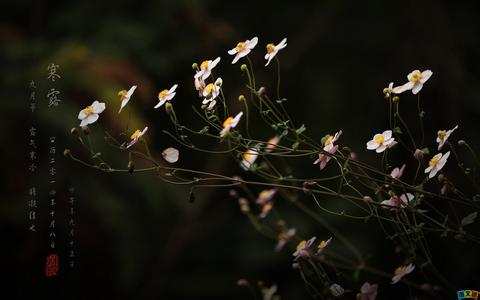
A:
[261, 91]
[241, 98]
[233, 193]
[461, 142]
[67, 153]
[395, 99]
[367, 199]
[131, 167]
[169, 107]
[86, 130]
[441, 178]
[74, 131]
[336, 290]
[243, 282]
[418, 154]
[243, 67]
[195, 66]
[386, 90]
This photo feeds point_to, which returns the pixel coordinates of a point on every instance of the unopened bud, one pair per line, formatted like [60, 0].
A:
[243, 282]
[367, 199]
[204, 106]
[241, 98]
[395, 99]
[195, 66]
[74, 131]
[386, 91]
[336, 290]
[261, 91]
[418, 154]
[461, 142]
[67, 152]
[169, 107]
[86, 130]
[233, 193]
[243, 67]
[441, 178]
[131, 167]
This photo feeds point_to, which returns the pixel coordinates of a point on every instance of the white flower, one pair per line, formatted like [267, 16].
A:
[136, 136]
[329, 140]
[90, 114]
[125, 96]
[270, 292]
[166, 95]
[443, 135]
[382, 141]
[302, 250]
[398, 202]
[323, 244]
[230, 123]
[170, 155]
[265, 196]
[402, 271]
[272, 50]
[416, 79]
[388, 91]
[398, 172]
[248, 158]
[436, 164]
[199, 85]
[206, 68]
[243, 48]
[212, 90]
[329, 147]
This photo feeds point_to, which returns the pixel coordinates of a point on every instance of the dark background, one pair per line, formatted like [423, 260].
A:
[139, 238]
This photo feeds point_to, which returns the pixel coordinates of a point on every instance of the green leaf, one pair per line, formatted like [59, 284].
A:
[204, 130]
[295, 145]
[469, 219]
[301, 129]
[397, 130]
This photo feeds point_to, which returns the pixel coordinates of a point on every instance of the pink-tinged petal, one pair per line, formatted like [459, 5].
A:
[91, 118]
[372, 145]
[160, 103]
[433, 172]
[236, 58]
[388, 142]
[428, 169]
[426, 75]
[173, 88]
[170, 155]
[199, 74]
[417, 87]
[269, 59]
[82, 115]
[232, 51]
[170, 96]
[282, 44]
[252, 43]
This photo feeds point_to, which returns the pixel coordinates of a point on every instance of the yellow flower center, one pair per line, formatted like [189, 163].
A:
[434, 161]
[89, 110]
[227, 121]
[416, 76]
[379, 139]
[283, 235]
[329, 140]
[441, 134]
[263, 194]
[162, 94]
[301, 245]
[122, 94]
[400, 270]
[322, 245]
[247, 156]
[204, 65]
[209, 88]
[240, 47]
[267, 207]
[270, 48]
[136, 134]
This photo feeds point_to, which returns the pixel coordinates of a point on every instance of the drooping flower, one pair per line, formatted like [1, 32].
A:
[272, 50]
[402, 271]
[416, 79]
[125, 96]
[443, 135]
[368, 291]
[229, 123]
[210, 92]
[272, 143]
[136, 136]
[243, 48]
[323, 158]
[397, 172]
[170, 155]
[436, 163]
[265, 196]
[323, 244]
[329, 140]
[206, 68]
[380, 142]
[166, 95]
[265, 210]
[303, 247]
[248, 158]
[91, 113]
[283, 237]
[401, 201]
